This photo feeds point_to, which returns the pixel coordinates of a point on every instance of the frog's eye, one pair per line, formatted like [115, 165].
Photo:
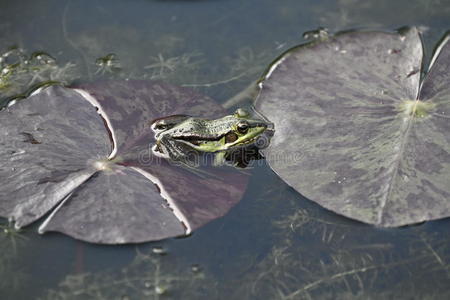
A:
[160, 126]
[242, 127]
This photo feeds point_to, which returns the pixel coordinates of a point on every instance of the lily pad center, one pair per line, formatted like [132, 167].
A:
[416, 108]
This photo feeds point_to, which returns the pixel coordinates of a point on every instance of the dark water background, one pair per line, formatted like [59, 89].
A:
[274, 244]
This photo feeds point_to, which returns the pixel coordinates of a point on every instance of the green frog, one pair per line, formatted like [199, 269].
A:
[181, 138]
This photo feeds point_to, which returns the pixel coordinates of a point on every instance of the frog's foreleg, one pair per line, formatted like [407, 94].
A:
[219, 158]
[177, 151]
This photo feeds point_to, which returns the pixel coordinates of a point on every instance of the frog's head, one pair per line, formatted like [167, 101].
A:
[236, 130]
[177, 135]
[167, 123]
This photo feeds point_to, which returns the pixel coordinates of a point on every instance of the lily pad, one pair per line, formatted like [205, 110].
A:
[357, 131]
[83, 156]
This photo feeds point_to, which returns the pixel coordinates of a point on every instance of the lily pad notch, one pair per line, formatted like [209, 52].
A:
[370, 138]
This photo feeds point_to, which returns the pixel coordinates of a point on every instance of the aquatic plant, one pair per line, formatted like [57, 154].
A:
[107, 64]
[321, 255]
[357, 130]
[12, 243]
[58, 154]
[149, 276]
[173, 69]
[10, 237]
[21, 73]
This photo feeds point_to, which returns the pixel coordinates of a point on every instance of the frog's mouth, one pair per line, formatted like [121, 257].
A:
[198, 140]
[220, 143]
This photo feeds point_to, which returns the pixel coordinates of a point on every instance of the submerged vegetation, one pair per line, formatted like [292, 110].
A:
[12, 242]
[107, 64]
[320, 255]
[306, 254]
[21, 72]
[149, 276]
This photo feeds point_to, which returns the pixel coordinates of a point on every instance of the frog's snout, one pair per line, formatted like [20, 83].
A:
[270, 127]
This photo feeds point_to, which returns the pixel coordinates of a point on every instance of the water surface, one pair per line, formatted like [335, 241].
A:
[274, 244]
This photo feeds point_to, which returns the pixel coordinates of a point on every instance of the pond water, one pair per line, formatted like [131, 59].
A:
[274, 244]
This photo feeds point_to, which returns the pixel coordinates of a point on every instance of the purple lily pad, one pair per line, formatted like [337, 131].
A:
[84, 155]
[357, 132]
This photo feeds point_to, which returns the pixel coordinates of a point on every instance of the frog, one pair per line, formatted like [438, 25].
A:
[181, 138]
